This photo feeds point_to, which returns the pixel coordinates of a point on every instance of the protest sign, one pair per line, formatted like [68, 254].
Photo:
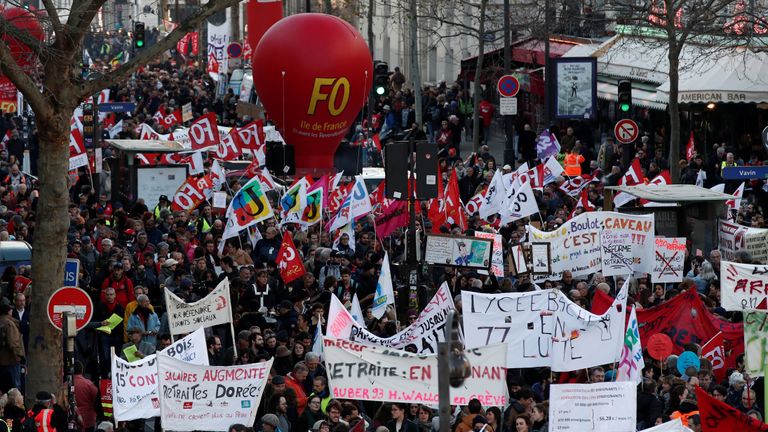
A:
[755, 342]
[214, 309]
[380, 374]
[134, 384]
[210, 398]
[670, 258]
[675, 425]
[422, 336]
[732, 238]
[497, 257]
[544, 328]
[598, 407]
[624, 241]
[743, 286]
[685, 319]
[458, 251]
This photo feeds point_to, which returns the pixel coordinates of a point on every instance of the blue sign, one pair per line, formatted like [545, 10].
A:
[71, 272]
[745, 172]
[117, 107]
[688, 359]
[508, 86]
[234, 50]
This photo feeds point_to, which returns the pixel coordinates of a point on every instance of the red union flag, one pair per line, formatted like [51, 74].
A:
[191, 193]
[252, 134]
[718, 416]
[228, 148]
[204, 132]
[288, 260]
[714, 350]
[171, 119]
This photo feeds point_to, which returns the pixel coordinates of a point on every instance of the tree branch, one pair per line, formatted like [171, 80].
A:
[153, 51]
[53, 15]
[23, 37]
[22, 81]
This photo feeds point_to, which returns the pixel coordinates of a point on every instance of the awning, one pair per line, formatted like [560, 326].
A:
[673, 193]
[737, 77]
[644, 97]
[146, 146]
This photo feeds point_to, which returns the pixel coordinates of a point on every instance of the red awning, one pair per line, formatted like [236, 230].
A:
[532, 51]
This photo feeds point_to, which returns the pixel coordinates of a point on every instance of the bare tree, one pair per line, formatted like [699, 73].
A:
[672, 25]
[63, 89]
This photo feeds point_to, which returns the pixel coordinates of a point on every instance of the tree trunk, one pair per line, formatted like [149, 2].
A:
[45, 358]
[328, 7]
[674, 116]
[476, 85]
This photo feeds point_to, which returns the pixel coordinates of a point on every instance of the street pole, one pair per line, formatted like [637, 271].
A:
[69, 331]
[416, 74]
[413, 273]
[372, 49]
[509, 131]
[547, 75]
[443, 375]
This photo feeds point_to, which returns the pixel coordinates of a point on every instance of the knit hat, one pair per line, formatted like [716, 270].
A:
[736, 378]
[271, 420]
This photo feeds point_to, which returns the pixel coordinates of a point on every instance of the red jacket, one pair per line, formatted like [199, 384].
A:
[123, 290]
[301, 397]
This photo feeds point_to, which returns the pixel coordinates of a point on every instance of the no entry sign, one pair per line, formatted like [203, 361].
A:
[626, 131]
[70, 299]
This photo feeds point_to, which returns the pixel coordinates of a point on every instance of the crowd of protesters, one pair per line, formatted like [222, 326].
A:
[129, 253]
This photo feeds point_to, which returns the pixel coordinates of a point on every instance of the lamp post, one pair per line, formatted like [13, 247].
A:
[452, 369]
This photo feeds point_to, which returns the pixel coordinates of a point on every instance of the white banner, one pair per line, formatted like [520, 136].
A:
[732, 238]
[670, 259]
[209, 398]
[614, 243]
[743, 286]
[675, 425]
[596, 407]
[422, 336]
[545, 328]
[218, 40]
[214, 309]
[383, 375]
[134, 385]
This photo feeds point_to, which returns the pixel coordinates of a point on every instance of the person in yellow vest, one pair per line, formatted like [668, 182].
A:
[729, 161]
[162, 204]
[572, 162]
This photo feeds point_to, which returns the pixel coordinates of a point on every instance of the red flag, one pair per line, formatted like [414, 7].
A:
[252, 170]
[376, 141]
[714, 350]
[573, 185]
[454, 210]
[377, 195]
[634, 174]
[183, 44]
[584, 203]
[20, 284]
[193, 41]
[435, 210]
[337, 196]
[690, 149]
[252, 135]
[228, 148]
[191, 193]
[393, 216]
[359, 426]
[213, 64]
[718, 416]
[662, 179]
[288, 260]
[204, 132]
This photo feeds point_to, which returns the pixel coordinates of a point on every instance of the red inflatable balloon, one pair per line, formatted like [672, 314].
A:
[23, 20]
[313, 74]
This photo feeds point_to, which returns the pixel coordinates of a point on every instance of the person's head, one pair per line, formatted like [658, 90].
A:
[300, 371]
[270, 423]
[526, 398]
[45, 398]
[694, 423]
[523, 423]
[163, 341]
[314, 403]
[736, 380]
[398, 411]
[319, 384]
[425, 414]
[213, 343]
[334, 411]
[143, 301]
[748, 398]
[474, 406]
[720, 393]
[705, 379]
[597, 375]
[106, 426]
[135, 335]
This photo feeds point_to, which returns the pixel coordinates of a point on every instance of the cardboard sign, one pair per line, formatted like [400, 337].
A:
[380, 374]
[659, 346]
[670, 259]
[214, 309]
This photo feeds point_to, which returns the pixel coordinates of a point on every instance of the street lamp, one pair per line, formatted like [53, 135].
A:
[452, 368]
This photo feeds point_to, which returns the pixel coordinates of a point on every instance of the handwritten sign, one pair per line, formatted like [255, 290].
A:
[497, 257]
[743, 286]
[598, 407]
[380, 374]
[670, 258]
[614, 243]
[732, 238]
[211, 398]
[755, 342]
[544, 328]
[214, 309]
[421, 337]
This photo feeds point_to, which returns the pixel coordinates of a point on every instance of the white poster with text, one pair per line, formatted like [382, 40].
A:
[596, 407]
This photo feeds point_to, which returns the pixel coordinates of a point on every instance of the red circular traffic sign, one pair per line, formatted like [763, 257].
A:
[70, 299]
[508, 86]
[626, 131]
[234, 50]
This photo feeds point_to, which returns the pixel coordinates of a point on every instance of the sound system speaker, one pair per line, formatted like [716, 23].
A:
[396, 170]
[280, 158]
[349, 159]
[426, 170]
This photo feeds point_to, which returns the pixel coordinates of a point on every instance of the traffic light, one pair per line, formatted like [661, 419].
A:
[138, 34]
[380, 77]
[625, 96]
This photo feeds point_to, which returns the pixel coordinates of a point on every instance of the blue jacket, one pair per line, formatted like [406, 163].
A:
[153, 325]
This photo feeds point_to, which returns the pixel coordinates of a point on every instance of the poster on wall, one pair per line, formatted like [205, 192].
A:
[576, 87]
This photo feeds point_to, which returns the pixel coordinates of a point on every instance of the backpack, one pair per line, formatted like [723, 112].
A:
[29, 424]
